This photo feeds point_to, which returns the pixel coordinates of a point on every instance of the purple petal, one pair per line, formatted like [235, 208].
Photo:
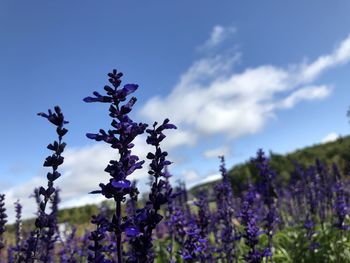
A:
[130, 88]
[131, 231]
[90, 99]
[121, 183]
[92, 136]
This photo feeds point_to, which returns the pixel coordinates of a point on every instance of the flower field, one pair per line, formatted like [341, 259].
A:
[258, 218]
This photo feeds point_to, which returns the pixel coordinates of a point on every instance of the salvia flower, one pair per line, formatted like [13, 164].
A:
[147, 218]
[194, 245]
[203, 213]
[224, 197]
[265, 186]
[124, 131]
[97, 248]
[69, 246]
[3, 220]
[340, 206]
[252, 231]
[45, 222]
[309, 226]
[18, 227]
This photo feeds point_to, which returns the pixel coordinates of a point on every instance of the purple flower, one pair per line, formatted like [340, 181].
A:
[224, 199]
[265, 185]
[18, 226]
[3, 220]
[120, 137]
[203, 213]
[97, 236]
[46, 222]
[252, 231]
[266, 188]
[194, 245]
[124, 130]
[140, 227]
[309, 226]
[340, 206]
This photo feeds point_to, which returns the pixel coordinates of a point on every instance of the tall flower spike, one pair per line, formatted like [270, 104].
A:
[147, 218]
[266, 188]
[251, 228]
[45, 222]
[18, 225]
[340, 206]
[224, 197]
[124, 130]
[97, 237]
[3, 220]
[194, 245]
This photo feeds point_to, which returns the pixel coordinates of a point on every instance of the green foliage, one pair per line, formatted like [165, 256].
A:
[332, 152]
[77, 215]
[292, 245]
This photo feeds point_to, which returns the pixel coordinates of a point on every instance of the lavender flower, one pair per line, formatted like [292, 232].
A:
[266, 177]
[147, 218]
[266, 188]
[194, 245]
[69, 246]
[18, 227]
[120, 137]
[224, 197]
[340, 206]
[309, 184]
[251, 228]
[177, 223]
[97, 237]
[45, 222]
[203, 214]
[309, 226]
[3, 220]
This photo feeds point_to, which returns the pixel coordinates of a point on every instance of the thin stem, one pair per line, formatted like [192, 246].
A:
[118, 232]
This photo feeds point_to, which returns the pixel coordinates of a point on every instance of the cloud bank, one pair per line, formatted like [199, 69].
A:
[211, 98]
[82, 171]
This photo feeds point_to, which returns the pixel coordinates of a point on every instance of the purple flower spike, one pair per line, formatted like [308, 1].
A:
[265, 187]
[3, 220]
[124, 130]
[146, 219]
[46, 223]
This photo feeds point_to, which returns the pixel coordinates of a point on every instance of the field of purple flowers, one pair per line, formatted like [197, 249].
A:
[305, 220]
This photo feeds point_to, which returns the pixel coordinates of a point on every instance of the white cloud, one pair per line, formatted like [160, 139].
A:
[210, 178]
[307, 93]
[190, 175]
[214, 153]
[340, 55]
[192, 178]
[211, 98]
[179, 137]
[82, 172]
[331, 137]
[217, 36]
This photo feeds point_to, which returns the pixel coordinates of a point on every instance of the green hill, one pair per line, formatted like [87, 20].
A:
[337, 151]
[333, 152]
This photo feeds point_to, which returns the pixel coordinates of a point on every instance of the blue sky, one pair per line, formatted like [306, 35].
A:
[234, 77]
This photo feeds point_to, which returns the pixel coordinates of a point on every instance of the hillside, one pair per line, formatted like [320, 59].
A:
[338, 152]
[333, 152]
